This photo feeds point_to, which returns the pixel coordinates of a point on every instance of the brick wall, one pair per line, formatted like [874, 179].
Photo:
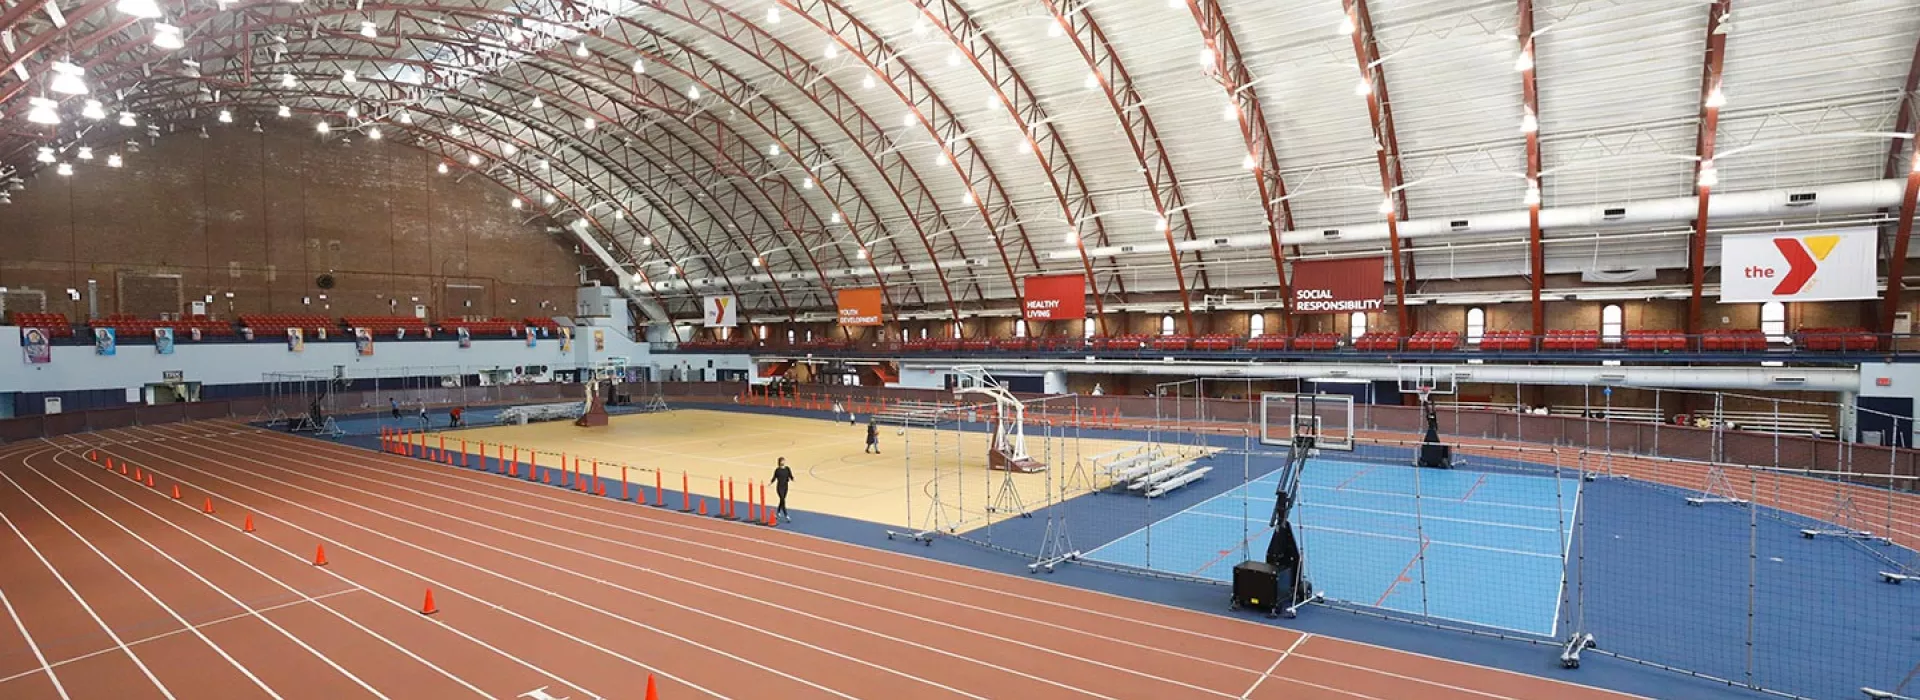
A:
[263, 215]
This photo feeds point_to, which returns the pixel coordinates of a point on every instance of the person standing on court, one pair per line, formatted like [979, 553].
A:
[781, 477]
[395, 403]
[873, 437]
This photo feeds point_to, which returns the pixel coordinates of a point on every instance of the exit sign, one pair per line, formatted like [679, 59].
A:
[1883, 381]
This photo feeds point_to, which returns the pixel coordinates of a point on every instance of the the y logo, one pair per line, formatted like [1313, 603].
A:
[1803, 259]
[720, 309]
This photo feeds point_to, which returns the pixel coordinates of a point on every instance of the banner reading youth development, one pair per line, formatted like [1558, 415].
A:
[860, 307]
[1819, 266]
[1338, 286]
[1055, 298]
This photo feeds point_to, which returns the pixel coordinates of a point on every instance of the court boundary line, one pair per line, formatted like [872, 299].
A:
[45, 667]
[249, 609]
[827, 550]
[259, 612]
[1276, 665]
[1423, 516]
[689, 582]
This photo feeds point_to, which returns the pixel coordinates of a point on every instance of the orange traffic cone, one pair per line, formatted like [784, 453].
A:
[123, 467]
[428, 608]
[703, 506]
[652, 692]
[109, 463]
[320, 555]
[208, 508]
[150, 480]
[91, 455]
[139, 475]
[176, 492]
[248, 527]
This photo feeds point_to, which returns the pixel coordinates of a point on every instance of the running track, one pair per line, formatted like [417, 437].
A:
[115, 589]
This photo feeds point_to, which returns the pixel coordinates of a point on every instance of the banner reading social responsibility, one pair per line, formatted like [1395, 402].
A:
[720, 311]
[1819, 266]
[1338, 286]
[860, 307]
[1055, 298]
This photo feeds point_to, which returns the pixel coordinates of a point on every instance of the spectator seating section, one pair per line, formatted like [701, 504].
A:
[1377, 342]
[127, 326]
[1656, 340]
[276, 325]
[1316, 341]
[1836, 339]
[542, 322]
[1570, 341]
[1216, 342]
[1171, 342]
[1269, 343]
[495, 327]
[55, 325]
[386, 325]
[1434, 341]
[1506, 341]
[1742, 340]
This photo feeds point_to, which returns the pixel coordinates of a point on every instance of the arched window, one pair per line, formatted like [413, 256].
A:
[763, 332]
[1166, 325]
[809, 335]
[726, 333]
[1612, 324]
[1020, 328]
[1087, 327]
[923, 332]
[1356, 325]
[1256, 325]
[1773, 321]
[956, 330]
[1476, 324]
[789, 336]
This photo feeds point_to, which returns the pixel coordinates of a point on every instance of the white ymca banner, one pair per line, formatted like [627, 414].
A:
[720, 311]
[1830, 265]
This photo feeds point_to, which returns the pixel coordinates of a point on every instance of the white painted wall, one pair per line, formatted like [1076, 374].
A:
[919, 378]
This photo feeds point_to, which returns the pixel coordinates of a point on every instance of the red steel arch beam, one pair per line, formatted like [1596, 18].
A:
[1230, 69]
[1130, 107]
[1530, 127]
[931, 113]
[1903, 231]
[1366, 52]
[1049, 150]
[1705, 175]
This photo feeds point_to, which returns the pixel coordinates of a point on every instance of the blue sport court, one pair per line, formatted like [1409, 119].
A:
[1483, 548]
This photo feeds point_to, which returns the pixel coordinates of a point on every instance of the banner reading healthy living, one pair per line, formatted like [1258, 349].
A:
[1338, 286]
[1055, 298]
[1828, 265]
[860, 307]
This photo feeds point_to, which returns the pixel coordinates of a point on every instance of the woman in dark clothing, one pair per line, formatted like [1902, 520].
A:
[781, 477]
[873, 437]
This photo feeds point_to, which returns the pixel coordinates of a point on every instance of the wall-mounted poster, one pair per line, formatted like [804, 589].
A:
[599, 340]
[466, 338]
[35, 346]
[104, 342]
[566, 340]
[163, 341]
[296, 340]
[532, 338]
[363, 341]
[194, 333]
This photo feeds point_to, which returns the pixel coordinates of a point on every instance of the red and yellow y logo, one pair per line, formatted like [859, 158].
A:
[1803, 256]
[720, 308]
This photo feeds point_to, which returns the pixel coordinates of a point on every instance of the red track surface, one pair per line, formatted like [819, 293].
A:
[115, 589]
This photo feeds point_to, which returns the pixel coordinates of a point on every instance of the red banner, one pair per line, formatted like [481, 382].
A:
[1055, 298]
[860, 307]
[1338, 286]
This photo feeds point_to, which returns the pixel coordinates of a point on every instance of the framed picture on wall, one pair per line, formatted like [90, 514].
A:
[35, 346]
[363, 341]
[104, 342]
[163, 341]
[466, 338]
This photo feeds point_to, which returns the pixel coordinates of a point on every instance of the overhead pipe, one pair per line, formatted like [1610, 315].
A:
[1754, 378]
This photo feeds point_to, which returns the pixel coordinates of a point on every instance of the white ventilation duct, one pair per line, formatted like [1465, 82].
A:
[1754, 378]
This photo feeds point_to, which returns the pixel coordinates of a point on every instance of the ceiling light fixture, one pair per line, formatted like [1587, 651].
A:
[587, 123]
[1386, 205]
[93, 110]
[68, 79]
[547, 198]
[861, 253]
[1347, 27]
[1073, 236]
[868, 82]
[1160, 223]
[406, 117]
[537, 104]
[1249, 163]
[511, 150]
[368, 30]
[144, 9]
[516, 203]
[473, 159]
[835, 218]
[807, 183]
[1363, 88]
[1709, 175]
[126, 119]
[831, 51]
[1230, 114]
[1524, 62]
[41, 111]
[773, 15]
[773, 149]
[349, 77]
[284, 111]
[353, 112]
[1529, 123]
[167, 36]
[580, 49]
[373, 133]
[442, 167]
[693, 92]
[286, 80]
[1716, 99]
[639, 66]
[226, 117]
[45, 156]
[322, 127]
[113, 161]
[967, 198]
[1055, 29]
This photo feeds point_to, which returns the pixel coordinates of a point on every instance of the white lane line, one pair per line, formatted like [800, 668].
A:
[250, 567]
[733, 573]
[389, 477]
[83, 603]
[1276, 665]
[143, 588]
[35, 646]
[397, 604]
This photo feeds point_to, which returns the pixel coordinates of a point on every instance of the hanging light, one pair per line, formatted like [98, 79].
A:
[967, 198]
[1024, 146]
[167, 36]
[65, 169]
[113, 161]
[1386, 205]
[516, 203]
[406, 117]
[511, 150]
[943, 159]
[373, 133]
[442, 167]
[367, 30]
[861, 253]
[868, 82]
[1055, 29]
[909, 119]
[1363, 88]
[835, 218]
[1160, 223]
[1347, 27]
[126, 119]
[756, 261]
[323, 127]
[993, 101]
[831, 51]
[1093, 80]
[1709, 175]
[639, 66]
[349, 77]
[693, 92]
[46, 155]
[473, 159]
[1073, 236]
[1207, 57]
[548, 198]
[353, 111]
[1529, 123]
[537, 104]
[587, 123]
[807, 183]
[1524, 61]
[543, 164]
[1249, 163]
[86, 153]
[620, 214]
[68, 79]
[286, 80]
[773, 14]
[1533, 193]
[580, 49]
[41, 111]
[458, 130]
[284, 111]
[1716, 99]
[144, 9]
[226, 117]
[93, 110]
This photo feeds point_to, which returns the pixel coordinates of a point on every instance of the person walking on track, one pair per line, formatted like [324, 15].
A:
[395, 403]
[873, 437]
[781, 477]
